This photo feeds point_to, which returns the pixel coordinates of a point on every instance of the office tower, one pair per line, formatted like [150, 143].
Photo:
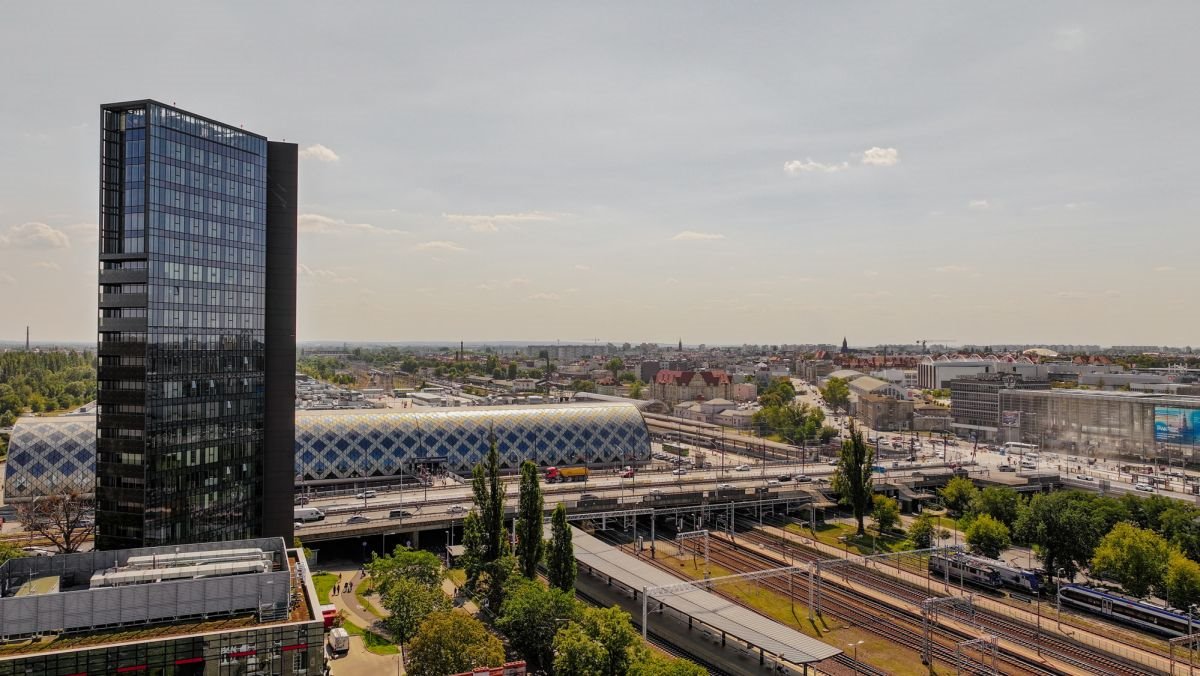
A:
[196, 345]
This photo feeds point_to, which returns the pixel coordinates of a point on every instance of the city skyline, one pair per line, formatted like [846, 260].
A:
[960, 175]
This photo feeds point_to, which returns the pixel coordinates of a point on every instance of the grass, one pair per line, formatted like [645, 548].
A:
[374, 642]
[829, 533]
[874, 650]
[324, 583]
[360, 592]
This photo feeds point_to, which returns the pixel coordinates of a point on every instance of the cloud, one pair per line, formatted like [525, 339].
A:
[319, 153]
[316, 224]
[952, 269]
[34, 236]
[693, 236]
[978, 205]
[1165, 268]
[440, 245]
[47, 265]
[1071, 295]
[328, 276]
[881, 157]
[6, 278]
[806, 166]
[1069, 39]
[545, 296]
[493, 222]
[581, 266]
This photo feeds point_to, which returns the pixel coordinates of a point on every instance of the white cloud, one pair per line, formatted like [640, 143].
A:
[881, 157]
[1165, 268]
[516, 281]
[545, 296]
[581, 266]
[1069, 39]
[319, 153]
[693, 236]
[1071, 295]
[317, 224]
[34, 236]
[440, 245]
[951, 269]
[47, 265]
[978, 205]
[492, 222]
[805, 166]
[327, 276]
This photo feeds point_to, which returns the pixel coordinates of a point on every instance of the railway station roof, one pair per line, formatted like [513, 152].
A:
[704, 606]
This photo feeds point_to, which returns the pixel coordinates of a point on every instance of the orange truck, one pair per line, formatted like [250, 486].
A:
[560, 474]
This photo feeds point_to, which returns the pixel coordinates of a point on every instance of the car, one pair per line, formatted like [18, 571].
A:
[655, 492]
[36, 551]
[589, 496]
[679, 472]
[399, 514]
[1007, 468]
[742, 468]
[456, 509]
[784, 477]
[832, 463]
[364, 495]
[358, 518]
[1082, 477]
[627, 474]
[726, 487]
[302, 500]
[1145, 488]
[803, 478]
[299, 524]
[773, 482]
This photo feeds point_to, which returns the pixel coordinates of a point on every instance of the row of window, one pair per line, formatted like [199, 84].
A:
[210, 387]
[180, 199]
[171, 437]
[179, 125]
[220, 229]
[246, 166]
[199, 296]
[162, 173]
[188, 248]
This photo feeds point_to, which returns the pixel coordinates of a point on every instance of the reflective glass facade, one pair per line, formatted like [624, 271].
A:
[181, 345]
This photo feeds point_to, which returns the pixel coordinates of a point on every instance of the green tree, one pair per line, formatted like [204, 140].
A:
[452, 642]
[1182, 581]
[531, 507]
[987, 535]
[779, 392]
[580, 385]
[417, 564]
[920, 533]
[10, 551]
[635, 390]
[612, 628]
[489, 498]
[472, 559]
[885, 513]
[531, 616]
[497, 579]
[578, 654]
[827, 433]
[852, 478]
[560, 554]
[1062, 528]
[615, 365]
[511, 371]
[409, 602]
[958, 494]
[654, 664]
[836, 394]
[1135, 557]
[1180, 525]
[999, 502]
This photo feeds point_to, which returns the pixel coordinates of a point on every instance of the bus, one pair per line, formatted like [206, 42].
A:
[1018, 448]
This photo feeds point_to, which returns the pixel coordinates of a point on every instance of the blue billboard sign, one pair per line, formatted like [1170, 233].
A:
[1176, 425]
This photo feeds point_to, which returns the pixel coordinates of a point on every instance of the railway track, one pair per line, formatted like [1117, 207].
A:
[1019, 633]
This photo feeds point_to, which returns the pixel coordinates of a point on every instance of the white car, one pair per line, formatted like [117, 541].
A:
[742, 468]
[456, 509]
[1146, 488]
[679, 472]
[655, 491]
[726, 487]
[365, 494]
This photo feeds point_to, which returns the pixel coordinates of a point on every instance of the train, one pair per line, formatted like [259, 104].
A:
[1152, 618]
[1010, 576]
[965, 568]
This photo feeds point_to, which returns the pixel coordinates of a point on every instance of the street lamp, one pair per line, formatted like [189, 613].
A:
[854, 646]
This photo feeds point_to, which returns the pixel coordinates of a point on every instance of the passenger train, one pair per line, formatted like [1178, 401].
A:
[965, 568]
[1152, 618]
[1010, 576]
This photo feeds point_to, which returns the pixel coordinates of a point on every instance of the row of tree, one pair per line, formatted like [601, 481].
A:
[44, 381]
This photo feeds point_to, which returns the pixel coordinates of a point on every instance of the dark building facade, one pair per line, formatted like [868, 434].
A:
[197, 312]
[975, 402]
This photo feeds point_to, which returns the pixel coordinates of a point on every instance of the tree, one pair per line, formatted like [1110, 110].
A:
[409, 602]
[531, 616]
[1063, 529]
[472, 558]
[580, 385]
[531, 507]
[577, 654]
[560, 555]
[1182, 581]
[987, 535]
[827, 433]
[1135, 557]
[451, 642]
[852, 478]
[920, 533]
[612, 628]
[404, 563]
[836, 394]
[635, 390]
[654, 664]
[958, 494]
[489, 498]
[885, 512]
[999, 502]
[615, 365]
[779, 392]
[65, 517]
[511, 370]
[498, 577]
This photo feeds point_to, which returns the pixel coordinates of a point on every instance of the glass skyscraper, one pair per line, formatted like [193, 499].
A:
[196, 344]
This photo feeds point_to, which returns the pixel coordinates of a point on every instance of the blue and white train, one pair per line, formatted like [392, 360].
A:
[962, 567]
[1010, 576]
[1152, 618]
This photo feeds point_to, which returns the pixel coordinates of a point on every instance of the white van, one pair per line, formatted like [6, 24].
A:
[305, 514]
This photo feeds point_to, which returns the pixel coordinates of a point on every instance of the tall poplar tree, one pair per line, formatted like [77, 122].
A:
[852, 478]
[530, 545]
[560, 556]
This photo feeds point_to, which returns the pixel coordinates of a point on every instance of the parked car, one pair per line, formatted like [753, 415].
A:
[365, 494]
[301, 499]
[358, 518]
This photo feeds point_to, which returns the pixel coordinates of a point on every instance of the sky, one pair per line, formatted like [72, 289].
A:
[778, 172]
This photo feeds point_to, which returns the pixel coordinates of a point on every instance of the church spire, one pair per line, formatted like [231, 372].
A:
[845, 346]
